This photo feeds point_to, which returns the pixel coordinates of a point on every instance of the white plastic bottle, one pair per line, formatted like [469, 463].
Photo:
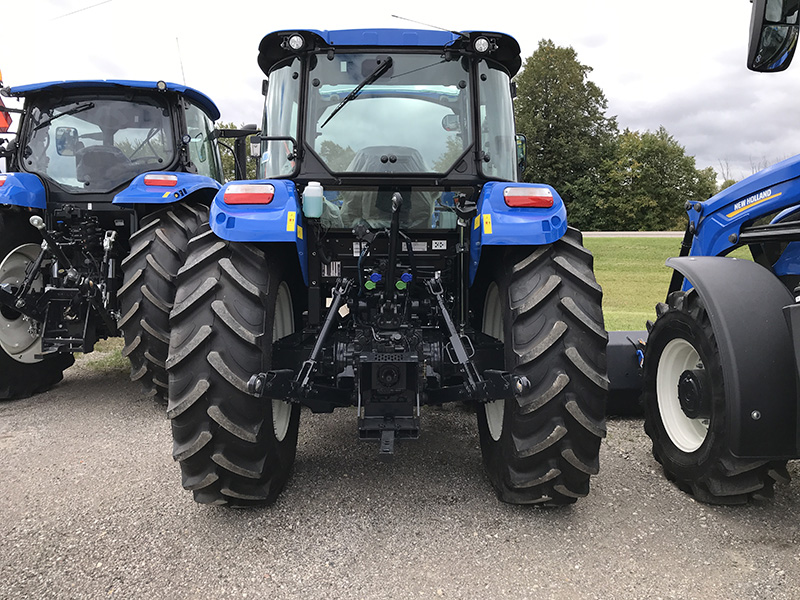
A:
[312, 200]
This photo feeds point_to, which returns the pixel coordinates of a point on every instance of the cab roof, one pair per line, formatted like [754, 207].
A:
[274, 46]
[199, 98]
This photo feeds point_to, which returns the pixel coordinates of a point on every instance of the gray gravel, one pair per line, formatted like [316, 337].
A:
[92, 507]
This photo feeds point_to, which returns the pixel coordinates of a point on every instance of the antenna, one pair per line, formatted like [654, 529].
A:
[180, 60]
[458, 33]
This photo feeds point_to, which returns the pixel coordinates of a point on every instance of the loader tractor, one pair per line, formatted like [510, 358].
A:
[107, 181]
[723, 356]
[387, 259]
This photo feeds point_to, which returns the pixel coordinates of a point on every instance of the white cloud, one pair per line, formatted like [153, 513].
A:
[679, 64]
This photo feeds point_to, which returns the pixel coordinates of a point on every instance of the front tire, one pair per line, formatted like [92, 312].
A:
[684, 404]
[232, 301]
[21, 373]
[545, 304]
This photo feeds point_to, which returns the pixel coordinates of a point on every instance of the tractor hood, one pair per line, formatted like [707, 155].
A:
[771, 176]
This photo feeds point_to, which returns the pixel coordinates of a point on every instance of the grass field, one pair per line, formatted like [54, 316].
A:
[634, 277]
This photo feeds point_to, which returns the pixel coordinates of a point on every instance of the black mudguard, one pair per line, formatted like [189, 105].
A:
[745, 304]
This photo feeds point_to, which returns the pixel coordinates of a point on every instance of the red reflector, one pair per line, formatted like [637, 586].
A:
[5, 118]
[249, 193]
[528, 197]
[2, 180]
[162, 180]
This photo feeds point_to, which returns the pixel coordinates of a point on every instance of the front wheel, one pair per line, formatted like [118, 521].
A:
[684, 403]
[545, 305]
[232, 301]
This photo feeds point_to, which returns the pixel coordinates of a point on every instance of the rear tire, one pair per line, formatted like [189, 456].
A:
[545, 304]
[23, 375]
[694, 451]
[158, 250]
[232, 301]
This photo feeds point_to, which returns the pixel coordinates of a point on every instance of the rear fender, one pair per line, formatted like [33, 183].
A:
[498, 224]
[173, 187]
[22, 189]
[279, 221]
[745, 304]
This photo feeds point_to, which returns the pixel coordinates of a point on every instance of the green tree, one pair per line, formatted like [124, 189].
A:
[570, 138]
[649, 181]
[336, 157]
[226, 146]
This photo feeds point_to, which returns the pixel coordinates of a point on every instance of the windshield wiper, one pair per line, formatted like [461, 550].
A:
[371, 78]
[71, 111]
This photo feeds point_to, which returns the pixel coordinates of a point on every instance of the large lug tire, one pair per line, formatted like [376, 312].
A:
[688, 424]
[545, 304]
[232, 301]
[21, 373]
[158, 250]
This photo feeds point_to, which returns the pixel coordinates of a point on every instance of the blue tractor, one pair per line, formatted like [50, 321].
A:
[723, 356]
[106, 183]
[387, 258]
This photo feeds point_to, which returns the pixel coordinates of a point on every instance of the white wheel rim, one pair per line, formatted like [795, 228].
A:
[687, 434]
[493, 326]
[15, 331]
[282, 325]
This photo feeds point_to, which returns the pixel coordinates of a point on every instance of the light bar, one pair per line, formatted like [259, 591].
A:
[528, 197]
[161, 180]
[249, 193]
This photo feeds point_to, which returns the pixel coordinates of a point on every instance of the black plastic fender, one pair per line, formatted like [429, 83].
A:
[745, 304]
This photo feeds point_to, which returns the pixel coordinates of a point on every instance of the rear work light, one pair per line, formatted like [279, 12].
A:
[528, 197]
[161, 180]
[249, 193]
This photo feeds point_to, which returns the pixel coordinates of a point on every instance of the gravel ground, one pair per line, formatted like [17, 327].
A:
[92, 507]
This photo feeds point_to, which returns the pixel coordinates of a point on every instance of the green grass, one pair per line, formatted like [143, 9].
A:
[634, 277]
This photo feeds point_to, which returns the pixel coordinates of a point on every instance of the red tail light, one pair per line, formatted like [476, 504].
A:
[528, 197]
[249, 193]
[2, 179]
[161, 180]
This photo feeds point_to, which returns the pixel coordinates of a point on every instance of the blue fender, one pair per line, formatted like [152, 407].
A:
[185, 184]
[498, 224]
[279, 221]
[745, 304]
[22, 189]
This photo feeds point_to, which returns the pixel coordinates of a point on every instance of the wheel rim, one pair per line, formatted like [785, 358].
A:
[493, 326]
[16, 336]
[282, 325]
[687, 434]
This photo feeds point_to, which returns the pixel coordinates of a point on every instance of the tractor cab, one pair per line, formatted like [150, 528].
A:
[369, 113]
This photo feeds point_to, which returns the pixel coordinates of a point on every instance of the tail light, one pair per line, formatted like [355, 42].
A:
[249, 193]
[528, 197]
[2, 179]
[161, 180]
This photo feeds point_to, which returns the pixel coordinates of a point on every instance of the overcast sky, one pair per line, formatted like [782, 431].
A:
[680, 64]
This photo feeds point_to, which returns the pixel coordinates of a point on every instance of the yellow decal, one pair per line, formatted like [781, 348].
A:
[477, 222]
[290, 220]
[487, 224]
[166, 194]
[752, 201]
[299, 232]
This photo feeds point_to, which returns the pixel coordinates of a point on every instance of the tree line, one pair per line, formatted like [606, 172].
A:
[609, 180]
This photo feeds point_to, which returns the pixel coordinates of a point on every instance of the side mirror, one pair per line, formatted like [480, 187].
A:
[450, 123]
[773, 35]
[66, 141]
[522, 153]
